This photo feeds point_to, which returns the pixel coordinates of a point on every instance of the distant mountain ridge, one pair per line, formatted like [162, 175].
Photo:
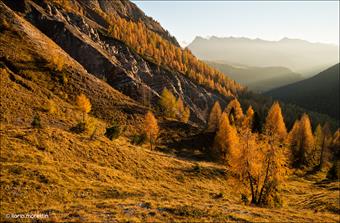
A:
[298, 55]
[319, 93]
[258, 79]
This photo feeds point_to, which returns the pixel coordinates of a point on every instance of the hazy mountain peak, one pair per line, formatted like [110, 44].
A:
[298, 55]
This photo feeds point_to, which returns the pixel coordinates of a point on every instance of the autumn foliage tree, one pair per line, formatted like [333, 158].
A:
[183, 112]
[247, 121]
[302, 142]
[325, 143]
[234, 111]
[172, 107]
[168, 103]
[260, 166]
[214, 117]
[151, 129]
[261, 162]
[274, 125]
[322, 136]
[84, 105]
[226, 141]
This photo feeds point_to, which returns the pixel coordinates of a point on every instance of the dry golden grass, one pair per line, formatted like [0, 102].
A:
[73, 178]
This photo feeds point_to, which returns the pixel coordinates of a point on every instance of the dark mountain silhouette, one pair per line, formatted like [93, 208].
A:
[298, 55]
[319, 93]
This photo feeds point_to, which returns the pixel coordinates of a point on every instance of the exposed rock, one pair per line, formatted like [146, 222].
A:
[83, 39]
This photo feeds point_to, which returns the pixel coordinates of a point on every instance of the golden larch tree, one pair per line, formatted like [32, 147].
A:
[214, 117]
[302, 144]
[168, 103]
[318, 135]
[261, 167]
[226, 140]
[84, 105]
[247, 121]
[151, 128]
[307, 143]
[274, 125]
[293, 140]
[234, 111]
[325, 144]
[318, 141]
[293, 135]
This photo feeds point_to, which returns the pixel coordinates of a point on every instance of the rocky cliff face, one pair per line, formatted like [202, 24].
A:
[82, 36]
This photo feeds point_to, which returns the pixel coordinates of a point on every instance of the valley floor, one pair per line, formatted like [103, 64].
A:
[69, 177]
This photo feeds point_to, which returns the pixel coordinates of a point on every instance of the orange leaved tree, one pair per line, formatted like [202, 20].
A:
[84, 105]
[234, 111]
[226, 141]
[214, 117]
[274, 126]
[151, 128]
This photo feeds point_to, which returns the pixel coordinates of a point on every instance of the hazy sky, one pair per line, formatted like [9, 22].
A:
[272, 20]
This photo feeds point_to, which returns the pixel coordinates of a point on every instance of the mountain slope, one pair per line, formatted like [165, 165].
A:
[81, 30]
[31, 81]
[319, 93]
[300, 56]
[258, 79]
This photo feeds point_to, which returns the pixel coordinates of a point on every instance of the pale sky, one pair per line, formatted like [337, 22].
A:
[315, 21]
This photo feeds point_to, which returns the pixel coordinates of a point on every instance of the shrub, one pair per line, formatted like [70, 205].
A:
[56, 63]
[50, 107]
[197, 168]
[79, 128]
[63, 78]
[36, 122]
[4, 24]
[138, 139]
[113, 132]
[334, 172]
[186, 211]
[244, 198]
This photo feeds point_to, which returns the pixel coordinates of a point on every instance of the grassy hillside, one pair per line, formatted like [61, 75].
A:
[72, 178]
[259, 79]
[319, 93]
[38, 77]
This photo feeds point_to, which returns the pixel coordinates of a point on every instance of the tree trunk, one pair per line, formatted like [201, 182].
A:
[322, 153]
[265, 179]
[150, 138]
[253, 196]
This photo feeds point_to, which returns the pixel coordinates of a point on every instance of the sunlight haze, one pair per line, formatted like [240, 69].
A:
[316, 21]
